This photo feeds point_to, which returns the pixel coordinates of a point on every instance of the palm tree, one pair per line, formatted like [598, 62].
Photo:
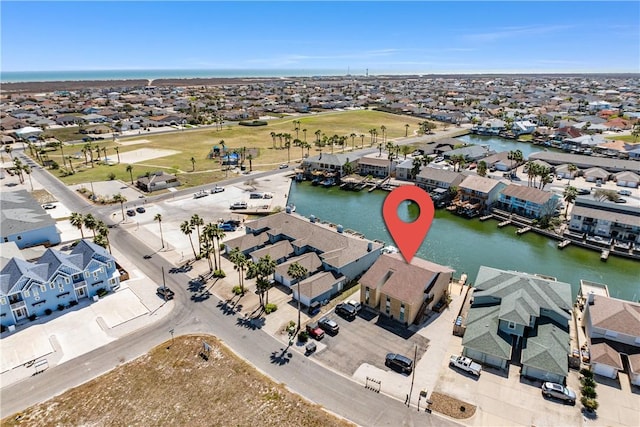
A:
[571, 168]
[119, 198]
[304, 131]
[197, 222]
[570, 194]
[90, 222]
[262, 272]
[158, 218]
[416, 165]
[482, 168]
[129, 169]
[77, 220]
[405, 150]
[208, 236]
[240, 263]
[273, 136]
[218, 235]
[287, 145]
[383, 128]
[27, 170]
[8, 149]
[250, 158]
[187, 229]
[317, 134]
[18, 166]
[102, 238]
[297, 273]
[406, 130]
[362, 140]
[117, 153]
[193, 164]
[70, 165]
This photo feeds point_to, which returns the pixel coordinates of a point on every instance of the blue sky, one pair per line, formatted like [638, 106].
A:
[383, 37]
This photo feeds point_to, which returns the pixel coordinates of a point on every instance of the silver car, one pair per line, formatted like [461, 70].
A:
[559, 391]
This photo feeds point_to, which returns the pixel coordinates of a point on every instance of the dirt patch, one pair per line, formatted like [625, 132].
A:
[176, 386]
[126, 142]
[43, 196]
[143, 154]
[451, 406]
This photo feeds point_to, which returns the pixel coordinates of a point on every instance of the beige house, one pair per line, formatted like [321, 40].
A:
[403, 291]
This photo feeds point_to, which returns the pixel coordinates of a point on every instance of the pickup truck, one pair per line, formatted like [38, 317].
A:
[465, 364]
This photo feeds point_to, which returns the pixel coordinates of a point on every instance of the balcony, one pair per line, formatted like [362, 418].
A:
[17, 304]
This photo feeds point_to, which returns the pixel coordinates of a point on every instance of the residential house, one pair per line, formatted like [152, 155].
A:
[432, 178]
[528, 201]
[595, 175]
[613, 330]
[478, 193]
[523, 127]
[605, 219]
[403, 169]
[564, 172]
[25, 222]
[585, 162]
[627, 179]
[523, 317]
[470, 153]
[500, 161]
[318, 287]
[403, 291]
[325, 163]
[157, 181]
[55, 279]
[378, 167]
[310, 261]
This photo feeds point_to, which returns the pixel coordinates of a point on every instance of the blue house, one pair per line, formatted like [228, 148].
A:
[25, 222]
[528, 201]
[55, 279]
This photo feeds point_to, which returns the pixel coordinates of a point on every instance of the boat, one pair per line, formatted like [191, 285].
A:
[291, 207]
[389, 250]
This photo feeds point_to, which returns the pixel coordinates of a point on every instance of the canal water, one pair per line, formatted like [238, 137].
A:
[466, 244]
[499, 144]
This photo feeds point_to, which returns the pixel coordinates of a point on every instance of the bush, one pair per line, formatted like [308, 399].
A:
[60, 307]
[73, 303]
[588, 382]
[590, 392]
[253, 123]
[32, 317]
[48, 311]
[586, 373]
[112, 176]
[101, 292]
[219, 273]
[237, 290]
[303, 336]
[589, 404]
[270, 308]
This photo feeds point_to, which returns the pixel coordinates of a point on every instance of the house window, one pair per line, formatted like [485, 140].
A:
[109, 264]
[401, 318]
[43, 288]
[26, 293]
[95, 274]
[67, 280]
[388, 306]
[512, 325]
[61, 287]
[52, 285]
[610, 334]
[366, 295]
[112, 281]
[3, 301]
[76, 276]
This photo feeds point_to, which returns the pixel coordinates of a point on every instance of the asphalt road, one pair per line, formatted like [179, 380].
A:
[302, 375]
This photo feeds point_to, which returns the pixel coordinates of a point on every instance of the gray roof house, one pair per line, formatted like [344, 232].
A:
[431, 178]
[520, 317]
[25, 222]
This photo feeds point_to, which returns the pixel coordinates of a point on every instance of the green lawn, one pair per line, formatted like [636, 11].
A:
[197, 143]
[626, 138]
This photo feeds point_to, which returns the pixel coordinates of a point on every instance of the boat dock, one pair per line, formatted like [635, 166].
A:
[523, 230]
[504, 223]
[604, 255]
[486, 217]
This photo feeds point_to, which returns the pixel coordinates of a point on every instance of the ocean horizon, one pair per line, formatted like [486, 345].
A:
[52, 76]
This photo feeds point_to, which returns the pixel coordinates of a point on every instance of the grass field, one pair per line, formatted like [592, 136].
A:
[626, 138]
[198, 143]
[176, 387]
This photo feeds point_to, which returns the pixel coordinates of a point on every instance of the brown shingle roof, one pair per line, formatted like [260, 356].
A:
[528, 194]
[615, 315]
[479, 184]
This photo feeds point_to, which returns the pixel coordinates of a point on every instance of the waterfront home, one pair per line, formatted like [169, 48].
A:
[605, 219]
[528, 201]
[319, 287]
[583, 143]
[310, 261]
[403, 291]
[627, 179]
[431, 178]
[56, 279]
[521, 314]
[489, 127]
[586, 162]
[478, 193]
[341, 252]
[523, 127]
[500, 161]
[403, 169]
[470, 153]
[25, 222]
[613, 330]
[157, 181]
[326, 163]
[378, 167]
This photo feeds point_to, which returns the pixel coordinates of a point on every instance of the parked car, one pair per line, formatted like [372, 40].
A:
[131, 212]
[283, 166]
[583, 192]
[346, 311]
[329, 326]
[200, 194]
[227, 227]
[314, 308]
[559, 391]
[239, 205]
[465, 364]
[49, 206]
[140, 209]
[217, 189]
[165, 293]
[624, 192]
[315, 331]
[355, 304]
[399, 363]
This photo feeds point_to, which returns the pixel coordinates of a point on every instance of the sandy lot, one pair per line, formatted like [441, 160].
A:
[143, 154]
[132, 142]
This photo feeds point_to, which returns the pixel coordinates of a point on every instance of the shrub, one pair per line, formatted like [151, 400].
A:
[73, 303]
[303, 336]
[237, 290]
[101, 292]
[112, 176]
[32, 317]
[588, 382]
[253, 123]
[219, 274]
[588, 391]
[60, 307]
[48, 311]
[270, 308]
[590, 404]
[586, 373]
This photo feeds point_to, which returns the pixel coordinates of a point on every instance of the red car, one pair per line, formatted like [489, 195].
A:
[315, 331]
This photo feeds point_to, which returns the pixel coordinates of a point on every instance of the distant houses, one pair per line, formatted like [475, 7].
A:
[25, 222]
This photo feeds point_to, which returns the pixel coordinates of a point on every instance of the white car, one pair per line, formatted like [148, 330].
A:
[48, 206]
[283, 166]
[559, 391]
[217, 189]
[355, 304]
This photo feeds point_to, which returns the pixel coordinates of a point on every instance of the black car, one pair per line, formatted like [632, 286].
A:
[131, 212]
[346, 310]
[329, 326]
[165, 293]
[140, 209]
[399, 363]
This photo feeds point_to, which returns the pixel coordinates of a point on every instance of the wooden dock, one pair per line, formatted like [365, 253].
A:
[486, 217]
[503, 223]
[564, 244]
[604, 255]
[523, 230]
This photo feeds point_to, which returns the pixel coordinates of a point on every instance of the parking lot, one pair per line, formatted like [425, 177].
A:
[363, 340]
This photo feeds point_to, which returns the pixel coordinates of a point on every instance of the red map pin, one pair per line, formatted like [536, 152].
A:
[408, 235]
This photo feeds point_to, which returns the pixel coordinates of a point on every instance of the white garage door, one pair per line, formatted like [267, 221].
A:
[605, 370]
